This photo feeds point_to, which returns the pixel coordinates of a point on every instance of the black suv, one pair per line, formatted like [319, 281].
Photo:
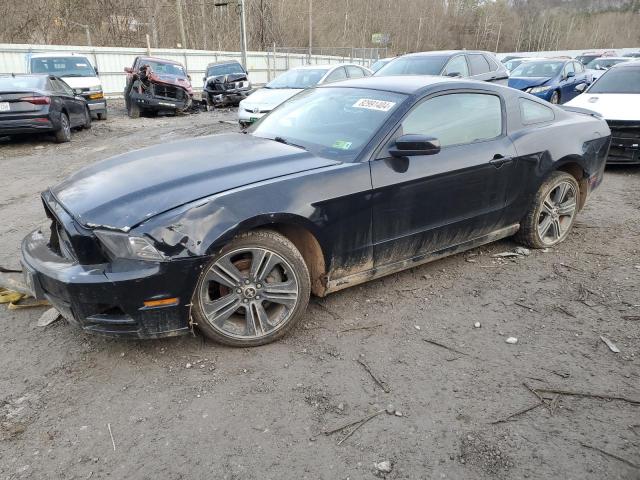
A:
[451, 63]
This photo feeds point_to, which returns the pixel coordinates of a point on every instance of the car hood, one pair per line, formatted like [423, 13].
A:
[612, 106]
[82, 82]
[269, 98]
[125, 190]
[522, 83]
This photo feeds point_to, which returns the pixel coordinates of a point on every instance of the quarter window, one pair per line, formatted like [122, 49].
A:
[336, 75]
[455, 119]
[534, 112]
[355, 72]
[479, 64]
[568, 69]
[457, 65]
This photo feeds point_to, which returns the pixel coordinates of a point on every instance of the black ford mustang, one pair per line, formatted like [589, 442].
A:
[339, 185]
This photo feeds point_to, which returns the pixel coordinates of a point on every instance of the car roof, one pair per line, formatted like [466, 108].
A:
[159, 60]
[407, 84]
[327, 66]
[443, 53]
[611, 58]
[631, 64]
[57, 54]
[223, 62]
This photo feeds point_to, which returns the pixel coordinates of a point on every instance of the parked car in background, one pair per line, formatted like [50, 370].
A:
[380, 63]
[77, 72]
[512, 64]
[40, 104]
[157, 85]
[597, 67]
[452, 63]
[341, 184]
[632, 55]
[586, 57]
[225, 83]
[291, 82]
[506, 58]
[551, 80]
[616, 96]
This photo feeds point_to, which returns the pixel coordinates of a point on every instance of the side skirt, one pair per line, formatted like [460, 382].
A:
[337, 284]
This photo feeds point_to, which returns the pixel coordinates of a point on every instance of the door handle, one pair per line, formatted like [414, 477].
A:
[499, 160]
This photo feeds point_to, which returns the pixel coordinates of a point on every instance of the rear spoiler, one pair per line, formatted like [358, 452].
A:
[583, 111]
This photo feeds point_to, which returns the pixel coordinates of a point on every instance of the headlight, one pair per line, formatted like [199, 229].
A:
[539, 89]
[95, 88]
[121, 245]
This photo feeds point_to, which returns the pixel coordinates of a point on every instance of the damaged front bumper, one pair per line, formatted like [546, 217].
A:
[109, 298]
[150, 102]
[229, 97]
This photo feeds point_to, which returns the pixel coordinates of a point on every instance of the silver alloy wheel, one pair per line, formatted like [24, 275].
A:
[248, 293]
[557, 212]
[66, 127]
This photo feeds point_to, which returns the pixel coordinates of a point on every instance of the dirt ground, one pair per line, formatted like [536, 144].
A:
[74, 406]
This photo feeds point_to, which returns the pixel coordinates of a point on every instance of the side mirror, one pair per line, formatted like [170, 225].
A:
[128, 69]
[454, 74]
[189, 77]
[96, 70]
[581, 87]
[414, 145]
[204, 79]
[571, 74]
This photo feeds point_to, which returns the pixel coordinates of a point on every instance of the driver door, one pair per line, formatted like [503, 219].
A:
[426, 203]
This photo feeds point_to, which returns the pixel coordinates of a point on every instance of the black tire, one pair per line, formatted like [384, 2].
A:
[133, 110]
[555, 98]
[530, 226]
[63, 134]
[102, 115]
[87, 120]
[276, 244]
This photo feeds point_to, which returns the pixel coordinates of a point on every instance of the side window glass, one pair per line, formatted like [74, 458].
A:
[479, 64]
[66, 88]
[457, 65]
[455, 119]
[578, 67]
[56, 85]
[493, 65]
[355, 72]
[336, 75]
[568, 68]
[534, 112]
[365, 73]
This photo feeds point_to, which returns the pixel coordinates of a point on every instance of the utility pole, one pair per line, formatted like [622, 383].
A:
[183, 37]
[310, 29]
[243, 33]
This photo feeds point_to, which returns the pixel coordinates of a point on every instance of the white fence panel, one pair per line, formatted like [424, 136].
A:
[111, 61]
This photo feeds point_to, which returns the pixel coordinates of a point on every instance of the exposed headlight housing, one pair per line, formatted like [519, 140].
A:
[122, 245]
[539, 89]
[95, 88]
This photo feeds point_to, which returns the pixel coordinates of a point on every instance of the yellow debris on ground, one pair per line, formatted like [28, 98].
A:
[17, 301]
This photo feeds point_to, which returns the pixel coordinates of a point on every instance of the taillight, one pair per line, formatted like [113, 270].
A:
[37, 100]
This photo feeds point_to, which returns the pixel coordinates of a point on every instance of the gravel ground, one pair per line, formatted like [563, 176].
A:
[77, 406]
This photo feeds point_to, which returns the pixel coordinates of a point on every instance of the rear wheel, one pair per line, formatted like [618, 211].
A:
[102, 115]
[63, 134]
[253, 292]
[553, 212]
[555, 98]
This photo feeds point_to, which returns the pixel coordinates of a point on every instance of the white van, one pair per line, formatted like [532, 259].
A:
[78, 72]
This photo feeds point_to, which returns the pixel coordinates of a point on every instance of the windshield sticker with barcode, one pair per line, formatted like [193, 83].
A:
[369, 104]
[342, 145]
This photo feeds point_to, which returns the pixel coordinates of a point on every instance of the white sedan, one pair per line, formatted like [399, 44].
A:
[616, 96]
[285, 86]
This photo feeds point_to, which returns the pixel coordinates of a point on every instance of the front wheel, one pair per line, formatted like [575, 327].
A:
[553, 212]
[133, 110]
[87, 119]
[253, 292]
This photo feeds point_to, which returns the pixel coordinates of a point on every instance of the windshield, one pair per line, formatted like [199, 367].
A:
[334, 123]
[63, 66]
[18, 83]
[603, 63]
[427, 65]
[298, 78]
[165, 68]
[512, 64]
[618, 80]
[538, 69]
[225, 69]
